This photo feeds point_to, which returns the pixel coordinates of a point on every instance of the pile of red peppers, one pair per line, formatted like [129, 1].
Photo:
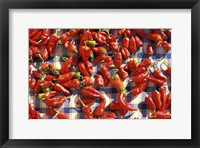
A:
[112, 52]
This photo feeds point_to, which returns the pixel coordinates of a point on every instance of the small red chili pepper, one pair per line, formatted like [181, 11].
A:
[51, 112]
[60, 88]
[163, 94]
[99, 50]
[122, 73]
[160, 115]
[44, 66]
[149, 50]
[93, 90]
[32, 83]
[89, 94]
[150, 103]
[110, 38]
[158, 74]
[62, 115]
[140, 77]
[114, 46]
[125, 42]
[56, 102]
[47, 95]
[44, 54]
[166, 45]
[121, 100]
[122, 112]
[46, 84]
[85, 101]
[139, 43]
[159, 82]
[162, 33]
[116, 81]
[52, 44]
[85, 53]
[118, 59]
[114, 106]
[139, 88]
[154, 37]
[157, 99]
[139, 32]
[66, 65]
[99, 81]
[127, 32]
[33, 32]
[121, 31]
[73, 32]
[82, 69]
[145, 63]
[167, 103]
[50, 77]
[109, 115]
[65, 37]
[87, 35]
[138, 71]
[33, 113]
[87, 81]
[131, 65]
[74, 83]
[100, 110]
[89, 67]
[168, 71]
[132, 45]
[87, 111]
[37, 36]
[105, 73]
[101, 39]
[169, 32]
[99, 58]
[109, 62]
[68, 76]
[35, 51]
[30, 54]
[125, 52]
[37, 74]
[72, 47]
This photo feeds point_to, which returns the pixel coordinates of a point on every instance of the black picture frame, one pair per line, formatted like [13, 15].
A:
[5, 5]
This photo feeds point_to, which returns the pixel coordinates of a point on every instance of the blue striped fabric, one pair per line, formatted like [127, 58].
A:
[75, 112]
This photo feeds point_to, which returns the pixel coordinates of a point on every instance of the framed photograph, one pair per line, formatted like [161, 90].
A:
[101, 73]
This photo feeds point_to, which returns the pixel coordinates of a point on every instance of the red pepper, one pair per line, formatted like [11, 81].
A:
[100, 110]
[168, 71]
[101, 39]
[99, 58]
[127, 32]
[125, 42]
[33, 113]
[117, 83]
[145, 63]
[85, 101]
[35, 51]
[154, 37]
[32, 83]
[66, 65]
[65, 37]
[114, 46]
[121, 100]
[157, 99]
[68, 76]
[87, 111]
[105, 73]
[159, 82]
[46, 84]
[125, 52]
[30, 54]
[99, 80]
[82, 68]
[87, 81]
[167, 103]
[121, 31]
[150, 103]
[38, 87]
[149, 50]
[110, 38]
[73, 32]
[122, 112]
[161, 115]
[140, 77]
[158, 74]
[163, 97]
[56, 102]
[139, 88]
[44, 38]
[52, 44]
[87, 35]
[118, 59]
[162, 33]
[37, 36]
[33, 32]
[51, 112]
[114, 106]
[122, 73]
[54, 70]
[169, 32]
[109, 115]
[44, 54]
[85, 53]
[89, 94]
[132, 45]
[139, 43]
[166, 45]
[75, 83]
[131, 65]
[47, 95]
[93, 90]
[50, 77]
[139, 32]
[71, 47]
[37, 74]
[89, 67]
[62, 115]
[99, 50]
[60, 88]
[109, 62]
[138, 71]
